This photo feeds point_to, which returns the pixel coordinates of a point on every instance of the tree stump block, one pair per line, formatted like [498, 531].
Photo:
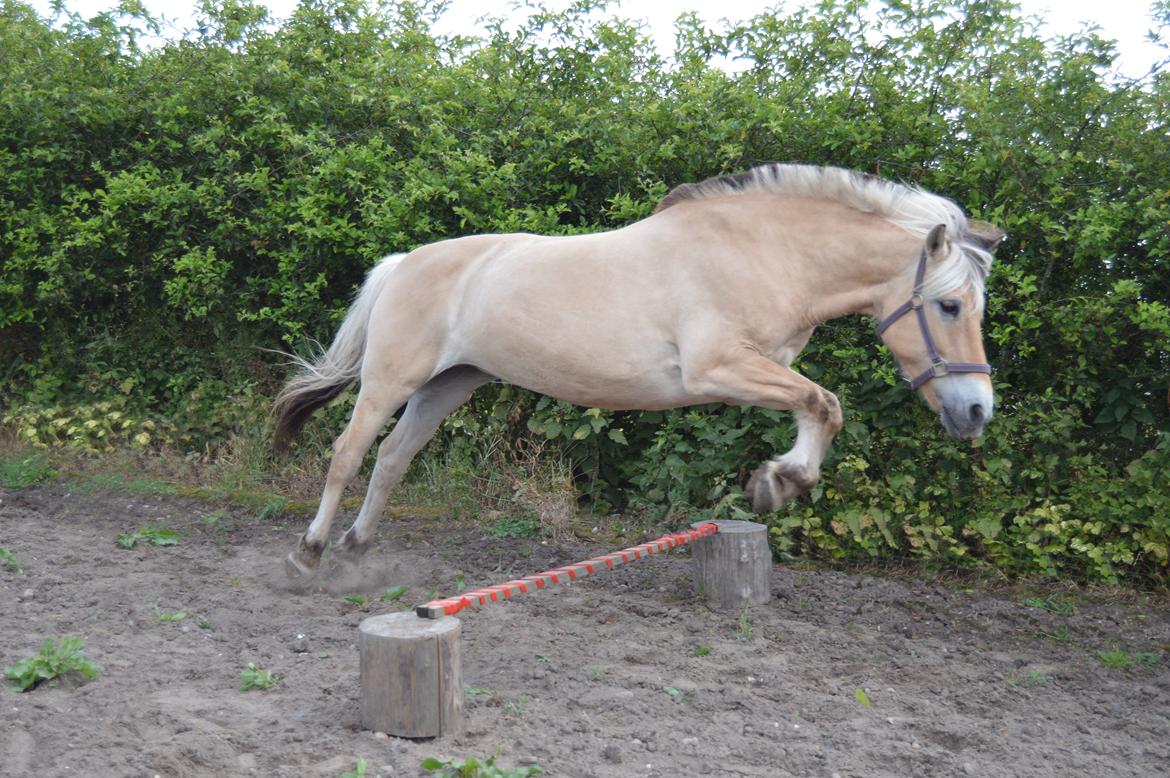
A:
[411, 675]
[733, 567]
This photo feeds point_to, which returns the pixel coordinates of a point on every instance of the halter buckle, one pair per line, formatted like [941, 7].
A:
[939, 369]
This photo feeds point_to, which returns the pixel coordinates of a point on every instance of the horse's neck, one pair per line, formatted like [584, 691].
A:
[856, 257]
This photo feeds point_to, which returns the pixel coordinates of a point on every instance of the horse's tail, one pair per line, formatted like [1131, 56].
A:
[325, 377]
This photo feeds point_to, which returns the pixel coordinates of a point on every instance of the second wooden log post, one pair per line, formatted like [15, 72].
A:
[733, 567]
[411, 675]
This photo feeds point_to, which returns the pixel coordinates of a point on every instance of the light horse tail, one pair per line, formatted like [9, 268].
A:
[327, 376]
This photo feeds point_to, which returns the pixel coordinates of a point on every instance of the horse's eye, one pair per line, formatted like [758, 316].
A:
[949, 307]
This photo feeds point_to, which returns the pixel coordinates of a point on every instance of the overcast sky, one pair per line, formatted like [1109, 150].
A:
[1125, 21]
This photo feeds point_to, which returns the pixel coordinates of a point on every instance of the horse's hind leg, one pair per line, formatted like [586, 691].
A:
[373, 408]
[425, 411]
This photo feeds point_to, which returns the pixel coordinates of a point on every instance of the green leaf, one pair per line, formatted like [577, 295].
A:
[393, 594]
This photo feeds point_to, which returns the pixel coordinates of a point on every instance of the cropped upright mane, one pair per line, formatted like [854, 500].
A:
[913, 209]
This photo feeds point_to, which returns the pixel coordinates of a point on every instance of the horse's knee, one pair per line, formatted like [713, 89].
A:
[829, 412]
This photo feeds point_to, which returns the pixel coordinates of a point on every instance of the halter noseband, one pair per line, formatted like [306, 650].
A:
[938, 366]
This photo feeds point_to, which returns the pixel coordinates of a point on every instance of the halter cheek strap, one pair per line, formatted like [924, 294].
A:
[938, 366]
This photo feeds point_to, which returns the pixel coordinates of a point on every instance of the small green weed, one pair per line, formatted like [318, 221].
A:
[702, 649]
[474, 768]
[23, 473]
[357, 772]
[476, 691]
[155, 536]
[162, 616]
[596, 673]
[673, 692]
[360, 600]
[273, 508]
[1031, 678]
[516, 707]
[53, 661]
[1115, 658]
[252, 677]
[1118, 658]
[1061, 606]
[8, 559]
[862, 697]
[520, 527]
[393, 595]
[1147, 658]
[205, 624]
[745, 624]
[117, 482]
[1060, 635]
[214, 521]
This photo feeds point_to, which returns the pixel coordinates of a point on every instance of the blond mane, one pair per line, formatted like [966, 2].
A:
[913, 209]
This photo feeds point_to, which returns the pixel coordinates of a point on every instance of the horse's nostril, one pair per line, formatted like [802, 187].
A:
[977, 413]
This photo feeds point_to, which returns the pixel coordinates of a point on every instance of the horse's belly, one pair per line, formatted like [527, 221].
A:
[586, 375]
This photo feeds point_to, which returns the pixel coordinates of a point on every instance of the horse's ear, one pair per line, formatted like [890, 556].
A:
[985, 234]
[937, 244]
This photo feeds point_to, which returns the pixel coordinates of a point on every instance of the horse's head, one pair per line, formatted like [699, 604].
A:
[934, 333]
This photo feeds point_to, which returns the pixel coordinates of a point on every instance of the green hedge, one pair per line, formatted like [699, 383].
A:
[166, 212]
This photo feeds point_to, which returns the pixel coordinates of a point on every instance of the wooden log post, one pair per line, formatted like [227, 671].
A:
[411, 675]
[733, 567]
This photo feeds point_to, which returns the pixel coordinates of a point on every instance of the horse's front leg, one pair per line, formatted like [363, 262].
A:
[748, 377]
[792, 474]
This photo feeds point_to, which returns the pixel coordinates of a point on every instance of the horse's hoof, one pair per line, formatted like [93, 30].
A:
[303, 562]
[775, 483]
[296, 568]
[349, 548]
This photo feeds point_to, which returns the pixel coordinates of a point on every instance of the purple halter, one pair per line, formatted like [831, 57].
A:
[938, 366]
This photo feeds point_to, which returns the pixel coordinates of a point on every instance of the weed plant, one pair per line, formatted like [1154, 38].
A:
[54, 661]
[253, 677]
[471, 767]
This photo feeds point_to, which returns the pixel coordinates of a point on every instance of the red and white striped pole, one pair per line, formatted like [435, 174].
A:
[412, 663]
[451, 605]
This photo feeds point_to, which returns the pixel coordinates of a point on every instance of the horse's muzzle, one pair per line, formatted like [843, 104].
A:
[965, 421]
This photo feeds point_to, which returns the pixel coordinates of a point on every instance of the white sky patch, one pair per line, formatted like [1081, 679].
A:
[1125, 21]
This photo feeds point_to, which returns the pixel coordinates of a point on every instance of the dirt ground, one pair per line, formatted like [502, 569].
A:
[623, 674]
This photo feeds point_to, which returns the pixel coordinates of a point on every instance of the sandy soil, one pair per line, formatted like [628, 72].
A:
[602, 678]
